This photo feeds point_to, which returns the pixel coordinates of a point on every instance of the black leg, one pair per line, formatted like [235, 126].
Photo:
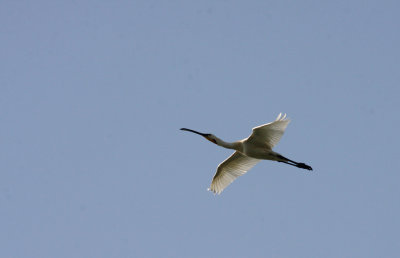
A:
[293, 163]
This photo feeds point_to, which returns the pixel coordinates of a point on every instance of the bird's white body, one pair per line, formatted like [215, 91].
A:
[253, 149]
[258, 151]
[248, 152]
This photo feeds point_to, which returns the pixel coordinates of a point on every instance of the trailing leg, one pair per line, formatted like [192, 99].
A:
[293, 163]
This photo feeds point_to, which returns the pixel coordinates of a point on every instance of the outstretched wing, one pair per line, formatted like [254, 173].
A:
[231, 168]
[269, 134]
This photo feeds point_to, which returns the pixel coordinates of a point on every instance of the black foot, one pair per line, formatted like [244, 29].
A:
[302, 165]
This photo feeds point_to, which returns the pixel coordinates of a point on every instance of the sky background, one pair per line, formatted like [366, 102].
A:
[93, 93]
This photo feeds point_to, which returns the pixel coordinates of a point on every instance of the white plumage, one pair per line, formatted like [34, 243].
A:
[249, 152]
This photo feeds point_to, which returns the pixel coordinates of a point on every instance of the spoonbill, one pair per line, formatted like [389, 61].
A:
[248, 152]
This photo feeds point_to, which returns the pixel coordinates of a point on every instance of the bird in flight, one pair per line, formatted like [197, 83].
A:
[249, 151]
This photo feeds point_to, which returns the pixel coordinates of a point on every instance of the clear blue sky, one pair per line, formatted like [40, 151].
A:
[93, 93]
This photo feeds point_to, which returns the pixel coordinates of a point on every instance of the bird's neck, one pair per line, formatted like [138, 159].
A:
[229, 145]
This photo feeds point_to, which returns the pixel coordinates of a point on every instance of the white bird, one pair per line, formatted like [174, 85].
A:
[249, 152]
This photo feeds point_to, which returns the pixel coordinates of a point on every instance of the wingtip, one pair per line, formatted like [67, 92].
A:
[213, 191]
[281, 117]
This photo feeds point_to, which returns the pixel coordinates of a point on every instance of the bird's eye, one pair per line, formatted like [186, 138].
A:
[212, 140]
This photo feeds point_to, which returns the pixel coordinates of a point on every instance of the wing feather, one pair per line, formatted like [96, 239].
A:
[269, 134]
[230, 169]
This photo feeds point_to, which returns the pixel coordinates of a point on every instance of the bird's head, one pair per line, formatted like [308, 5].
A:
[212, 138]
